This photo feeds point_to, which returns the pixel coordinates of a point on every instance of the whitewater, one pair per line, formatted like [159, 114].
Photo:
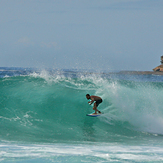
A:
[43, 116]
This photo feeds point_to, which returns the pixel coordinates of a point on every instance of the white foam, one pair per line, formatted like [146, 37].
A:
[140, 105]
[56, 77]
[103, 152]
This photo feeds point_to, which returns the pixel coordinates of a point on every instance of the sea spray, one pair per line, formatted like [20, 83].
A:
[139, 104]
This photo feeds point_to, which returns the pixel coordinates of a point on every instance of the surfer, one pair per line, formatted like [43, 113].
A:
[94, 98]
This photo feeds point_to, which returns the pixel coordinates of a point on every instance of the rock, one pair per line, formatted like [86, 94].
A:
[158, 68]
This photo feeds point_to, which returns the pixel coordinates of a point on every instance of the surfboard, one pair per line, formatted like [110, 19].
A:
[94, 115]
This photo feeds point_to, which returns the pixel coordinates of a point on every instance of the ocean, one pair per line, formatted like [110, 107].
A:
[43, 116]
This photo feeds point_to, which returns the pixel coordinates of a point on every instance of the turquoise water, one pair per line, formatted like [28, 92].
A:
[43, 117]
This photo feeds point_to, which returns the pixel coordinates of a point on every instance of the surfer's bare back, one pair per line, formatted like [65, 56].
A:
[94, 98]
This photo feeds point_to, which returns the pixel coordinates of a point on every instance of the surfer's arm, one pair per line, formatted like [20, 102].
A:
[91, 102]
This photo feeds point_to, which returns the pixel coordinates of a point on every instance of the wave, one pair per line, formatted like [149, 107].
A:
[50, 106]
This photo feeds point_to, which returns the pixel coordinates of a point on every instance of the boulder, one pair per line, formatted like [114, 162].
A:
[158, 68]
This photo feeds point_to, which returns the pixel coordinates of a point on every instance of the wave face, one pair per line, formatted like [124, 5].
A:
[50, 106]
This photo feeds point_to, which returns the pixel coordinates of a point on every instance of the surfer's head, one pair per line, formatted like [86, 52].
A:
[88, 96]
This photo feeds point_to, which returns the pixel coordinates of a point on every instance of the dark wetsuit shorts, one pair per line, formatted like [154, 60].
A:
[98, 102]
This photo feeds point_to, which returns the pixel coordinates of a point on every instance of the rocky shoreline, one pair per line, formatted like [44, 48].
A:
[141, 72]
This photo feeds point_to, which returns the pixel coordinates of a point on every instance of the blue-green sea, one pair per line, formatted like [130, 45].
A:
[43, 116]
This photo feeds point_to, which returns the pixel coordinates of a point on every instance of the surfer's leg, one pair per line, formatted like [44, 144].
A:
[97, 103]
[95, 108]
[98, 110]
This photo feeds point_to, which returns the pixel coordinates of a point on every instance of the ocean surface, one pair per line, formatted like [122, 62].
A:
[43, 116]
